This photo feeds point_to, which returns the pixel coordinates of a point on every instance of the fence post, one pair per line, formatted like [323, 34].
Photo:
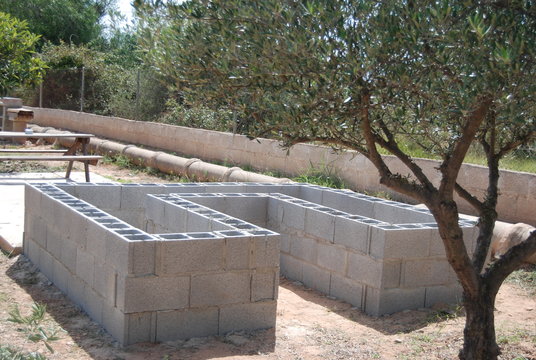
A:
[41, 93]
[82, 90]
[137, 95]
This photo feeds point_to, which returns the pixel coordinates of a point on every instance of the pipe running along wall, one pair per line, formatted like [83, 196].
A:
[167, 163]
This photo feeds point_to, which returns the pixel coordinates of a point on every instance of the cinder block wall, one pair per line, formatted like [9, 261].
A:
[144, 287]
[516, 201]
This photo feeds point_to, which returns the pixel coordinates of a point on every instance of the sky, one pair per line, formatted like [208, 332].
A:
[126, 9]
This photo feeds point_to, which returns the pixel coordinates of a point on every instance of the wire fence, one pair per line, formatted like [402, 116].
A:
[134, 94]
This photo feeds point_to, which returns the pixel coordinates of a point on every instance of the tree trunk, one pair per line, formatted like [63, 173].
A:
[479, 333]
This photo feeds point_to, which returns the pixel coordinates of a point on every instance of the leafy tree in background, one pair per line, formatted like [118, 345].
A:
[70, 21]
[364, 75]
[18, 66]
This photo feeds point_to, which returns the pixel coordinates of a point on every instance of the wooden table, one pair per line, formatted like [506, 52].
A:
[76, 152]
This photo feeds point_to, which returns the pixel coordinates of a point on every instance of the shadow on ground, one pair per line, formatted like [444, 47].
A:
[98, 344]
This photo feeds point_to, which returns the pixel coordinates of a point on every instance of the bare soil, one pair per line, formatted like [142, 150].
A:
[309, 324]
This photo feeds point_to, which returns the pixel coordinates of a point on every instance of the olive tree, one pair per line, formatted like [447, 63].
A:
[18, 65]
[366, 75]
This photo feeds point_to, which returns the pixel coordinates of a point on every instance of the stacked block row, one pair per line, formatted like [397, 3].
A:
[144, 287]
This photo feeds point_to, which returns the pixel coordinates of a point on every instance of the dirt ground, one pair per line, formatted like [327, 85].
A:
[310, 325]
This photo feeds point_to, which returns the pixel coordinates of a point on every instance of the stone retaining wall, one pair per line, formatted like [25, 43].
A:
[517, 190]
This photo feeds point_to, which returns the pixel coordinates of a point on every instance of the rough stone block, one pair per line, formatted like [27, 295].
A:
[266, 251]
[218, 289]
[183, 256]
[238, 253]
[184, 324]
[291, 268]
[263, 285]
[252, 316]
[347, 290]
[332, 257]
[316, 278]
[320, 224]
[152, 293]
[352, 234]
[425, 273]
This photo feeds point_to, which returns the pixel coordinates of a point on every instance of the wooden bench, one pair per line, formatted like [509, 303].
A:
[71, 154]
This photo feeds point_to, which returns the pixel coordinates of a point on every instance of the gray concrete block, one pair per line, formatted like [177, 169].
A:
[400, 244]
[425, 273]
[141, 327]
[263, 285]
[76, 291]
[105, 197]
[46, 264]
[391, 274]
[184, 256]
[32, 199]
[34, 251]
[292, 216]
[364, 269]
[218, 289]
[117, 252]
[197, 223]
[85, 267]
[304, 248]
[54, 243]
[320, 224]
[152, 293]
[154, 208]
[36, 228]
[78, 229]
[332, 257]
[284, 242]
[238, 253]
[96, 240]
[332, 199]
[394, 300]
[347, 290]
[252, 316]
[105, 282]
[94, 304]
[316, 278]
[142, 257]
[184, 324]
[291, 268]
[352, 234]
[68, 255]
[436, 244]
[266, 251]
[133, 195]
[310, 194]
[116, 323]
[61, 276]
[451, 294]
[175, 218]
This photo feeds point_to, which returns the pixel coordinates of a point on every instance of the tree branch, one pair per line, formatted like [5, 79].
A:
[510, 261]
[451, 166]
[466, 195]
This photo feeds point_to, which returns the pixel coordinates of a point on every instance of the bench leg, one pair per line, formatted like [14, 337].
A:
[69, 168]
[86, 169]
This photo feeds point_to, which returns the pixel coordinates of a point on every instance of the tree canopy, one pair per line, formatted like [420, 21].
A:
[71, 21]
[366, 75]
[18, 65]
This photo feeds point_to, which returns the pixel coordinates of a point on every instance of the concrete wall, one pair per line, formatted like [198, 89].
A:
[518, 190]
[143, 287]
[157, 262]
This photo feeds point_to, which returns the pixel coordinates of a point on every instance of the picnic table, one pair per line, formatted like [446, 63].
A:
[78, 151]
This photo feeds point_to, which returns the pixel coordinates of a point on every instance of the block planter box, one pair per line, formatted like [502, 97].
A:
[159, 262]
